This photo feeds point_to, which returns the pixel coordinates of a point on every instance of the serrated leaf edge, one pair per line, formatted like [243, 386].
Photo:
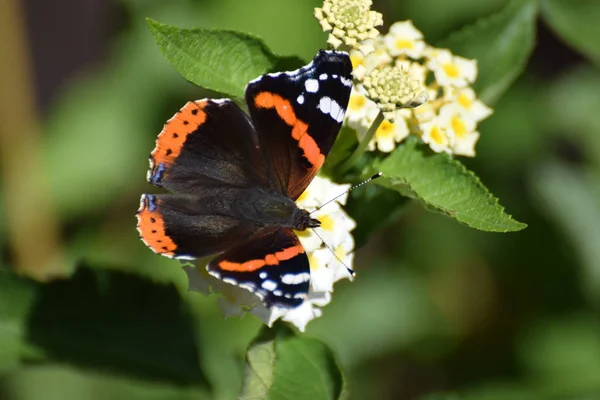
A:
[477, 181]
[154, 28]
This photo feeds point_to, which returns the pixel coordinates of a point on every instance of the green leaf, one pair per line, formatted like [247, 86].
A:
[501, 43]
[220, 60]
[576, 21]
[445, 185]
[16, 296]
[305, 369]
[283, 367]
[120, 323]
[569, 196]
[260, 363]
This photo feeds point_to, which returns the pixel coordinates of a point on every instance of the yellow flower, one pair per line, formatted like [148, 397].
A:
[402, 75]
[404, 38]
[437, 136]
[451, 70]
[467, 99]
[389, 133]
[462, 126]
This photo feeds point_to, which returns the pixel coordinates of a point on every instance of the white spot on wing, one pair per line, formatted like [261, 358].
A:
[300, 99]
[269, 285]
[346, 82]
[311, 85]
[248, 286]
[329, 106]
[230, 281]
[262, 275]
[295, 279]
[325, 104]
[323, 77]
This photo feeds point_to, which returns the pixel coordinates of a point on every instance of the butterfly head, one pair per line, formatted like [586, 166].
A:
[303, 220]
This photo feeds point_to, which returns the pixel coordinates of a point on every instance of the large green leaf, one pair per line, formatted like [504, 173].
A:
[120, 323]
[283, 366]
[501, 43]
[445, 185]
[224, 61]
[576, 21]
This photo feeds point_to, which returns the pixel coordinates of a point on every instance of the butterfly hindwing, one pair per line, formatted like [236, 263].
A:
[190, 226]
[208, 143]
[272, 264]
[298, 115]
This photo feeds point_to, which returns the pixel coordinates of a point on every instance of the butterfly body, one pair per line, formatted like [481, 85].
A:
[235, 178]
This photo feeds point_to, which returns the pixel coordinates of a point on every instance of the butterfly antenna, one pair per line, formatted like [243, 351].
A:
[377, 175]
[350, 270]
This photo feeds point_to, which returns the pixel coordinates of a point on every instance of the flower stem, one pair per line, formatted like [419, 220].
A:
[349, 163]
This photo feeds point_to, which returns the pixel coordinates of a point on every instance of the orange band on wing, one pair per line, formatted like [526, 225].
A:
[151, 227]
[270, 259]
[299, 129]
[171, 139]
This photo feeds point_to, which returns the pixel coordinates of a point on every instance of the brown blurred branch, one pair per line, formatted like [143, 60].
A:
[33, 230]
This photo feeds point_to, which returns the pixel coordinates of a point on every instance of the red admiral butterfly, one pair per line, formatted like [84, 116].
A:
[236, 178]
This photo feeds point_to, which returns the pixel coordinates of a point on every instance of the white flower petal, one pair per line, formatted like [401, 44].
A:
[465, 146]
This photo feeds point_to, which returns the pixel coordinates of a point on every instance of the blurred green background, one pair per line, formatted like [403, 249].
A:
[436, 307]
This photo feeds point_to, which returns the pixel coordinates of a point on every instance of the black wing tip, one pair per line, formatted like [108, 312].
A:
[339, 60]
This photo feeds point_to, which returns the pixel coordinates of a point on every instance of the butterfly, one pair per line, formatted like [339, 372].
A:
[234, 178]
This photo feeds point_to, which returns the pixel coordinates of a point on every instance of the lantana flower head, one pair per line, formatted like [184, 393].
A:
[421, 90]
[329, 262]
[348, 21]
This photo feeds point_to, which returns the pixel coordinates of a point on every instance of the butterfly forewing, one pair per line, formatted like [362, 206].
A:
[298, 115]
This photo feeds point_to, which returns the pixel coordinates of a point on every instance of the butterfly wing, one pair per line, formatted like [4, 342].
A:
[208, 143]
[206, 153]
[191, 226]
[298, 115]
[271, 264]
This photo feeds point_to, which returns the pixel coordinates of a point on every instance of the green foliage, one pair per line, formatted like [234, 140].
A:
[224, 61]
[15, 299]
[281, 366]
[577, 23]
[501, 43]
[102, 320]
[446, 185]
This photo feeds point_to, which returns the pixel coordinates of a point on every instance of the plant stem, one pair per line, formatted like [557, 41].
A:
[349, 163]
[32, 225]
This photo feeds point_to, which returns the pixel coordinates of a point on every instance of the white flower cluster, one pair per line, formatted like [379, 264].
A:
[348, 22]
[325, 266]
[447, 121]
